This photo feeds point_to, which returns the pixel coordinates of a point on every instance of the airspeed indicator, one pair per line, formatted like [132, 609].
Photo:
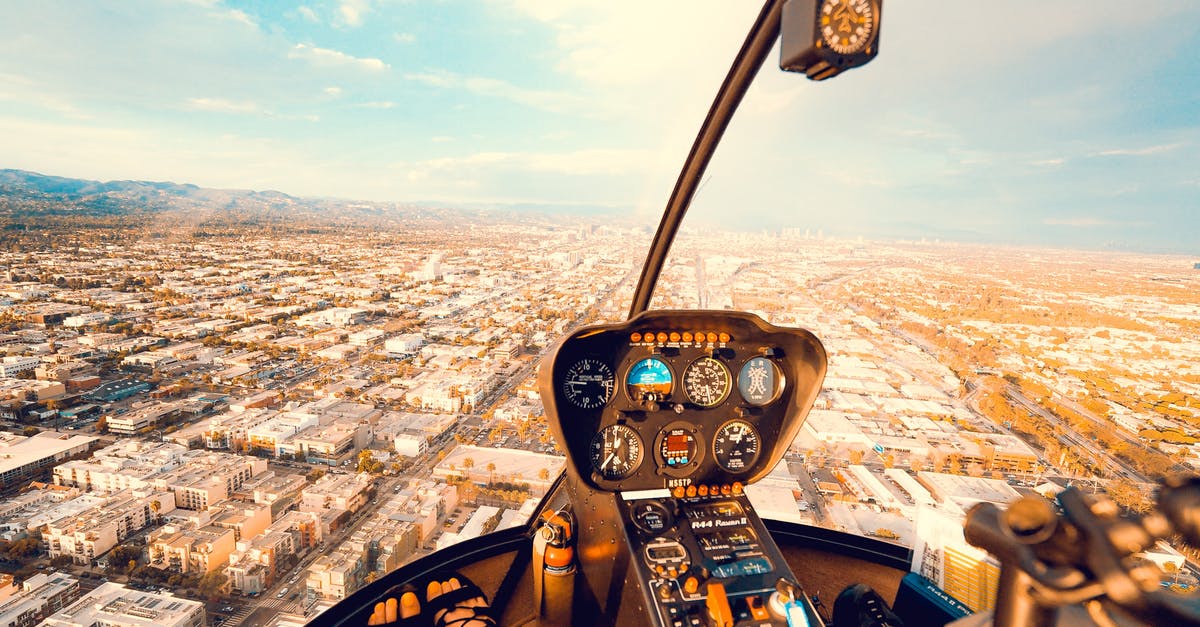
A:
[588, 383]
[707, 382]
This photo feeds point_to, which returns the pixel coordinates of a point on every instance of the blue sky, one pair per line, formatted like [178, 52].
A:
[1073, 123]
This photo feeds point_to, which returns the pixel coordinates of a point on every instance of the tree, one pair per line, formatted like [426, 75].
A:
[212, 584]
[491, 468]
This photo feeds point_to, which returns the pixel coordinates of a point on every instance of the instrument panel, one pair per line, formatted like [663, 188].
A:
[680, 399]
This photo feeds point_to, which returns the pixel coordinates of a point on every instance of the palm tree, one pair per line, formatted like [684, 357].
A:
[491, 468]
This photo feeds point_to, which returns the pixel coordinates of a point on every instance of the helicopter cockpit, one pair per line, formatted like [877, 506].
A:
[666, 417]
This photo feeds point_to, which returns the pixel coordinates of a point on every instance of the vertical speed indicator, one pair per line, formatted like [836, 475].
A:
[588, 383]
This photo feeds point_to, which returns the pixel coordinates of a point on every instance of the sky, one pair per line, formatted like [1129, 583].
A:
[1073, 123]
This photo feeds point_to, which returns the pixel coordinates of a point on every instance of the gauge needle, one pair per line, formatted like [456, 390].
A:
[606, 460]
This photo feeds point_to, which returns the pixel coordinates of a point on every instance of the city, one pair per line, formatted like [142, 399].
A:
[250, 427]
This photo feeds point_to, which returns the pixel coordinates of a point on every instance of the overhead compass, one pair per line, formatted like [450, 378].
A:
[847, 25]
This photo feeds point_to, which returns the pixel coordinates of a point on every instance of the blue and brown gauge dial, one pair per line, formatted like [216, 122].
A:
[616, 452]
[736, 446]
[649, 380]
[707, 382]
[847, 25]
[588, 383]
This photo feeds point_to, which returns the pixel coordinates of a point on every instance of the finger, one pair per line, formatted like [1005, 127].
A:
[389, 613]
[433, 590]
[377, 615]
[451, 584]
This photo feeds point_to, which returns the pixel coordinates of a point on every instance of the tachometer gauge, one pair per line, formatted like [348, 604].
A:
[649, 380]
[588, 383]
[707, 382]
[760, 381]
[616, 452]
[736, 446]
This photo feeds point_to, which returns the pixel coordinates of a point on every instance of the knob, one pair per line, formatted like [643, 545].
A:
[718, 605]
[664, 591]
[691, 585]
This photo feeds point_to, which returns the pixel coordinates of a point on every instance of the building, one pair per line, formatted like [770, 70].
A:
[332, 444]
[253, 566]
[199, 550]
[118, 390]
[142, 420]
[16, 366]
[404, 345]
[338, 492]
[114, 605]
[23, 457]
[86, 537]
[126, 465]
[38, 597]
[206, 478]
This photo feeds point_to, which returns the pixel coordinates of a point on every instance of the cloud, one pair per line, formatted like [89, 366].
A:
[333, 91]
[539, 99]
[1138, 152]
[238, 16]
[1090, 222]
[1049, 162]
[405, 38]
[573, 163]
[22, 89]
[221, 105]
[308, 14]
[378, 104]
[351, 12]
[441, 139]
[332, 58]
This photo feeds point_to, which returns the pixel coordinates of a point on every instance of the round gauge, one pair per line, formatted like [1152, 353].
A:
[588, 383]
[677, 447]
[847, 26]
[707, 382]
[616, 452]
[649, 380]
[652, 517]
[736, 446]
[760, 381]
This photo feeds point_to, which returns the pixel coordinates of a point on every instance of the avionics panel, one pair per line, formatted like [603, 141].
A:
[683, 400]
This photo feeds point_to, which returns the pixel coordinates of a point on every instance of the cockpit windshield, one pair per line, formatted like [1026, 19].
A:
[255, 403]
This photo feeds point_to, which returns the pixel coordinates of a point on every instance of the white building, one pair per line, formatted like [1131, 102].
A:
[39, 596]
[21, 457]
[114, 605]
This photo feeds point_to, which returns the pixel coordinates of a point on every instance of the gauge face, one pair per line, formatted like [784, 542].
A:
[616, 452]
[652, 517]
[736, 446]
[588, 383]
[707, 382]
[760, 381]
[847, 25]
[649, 379]
[677, 447]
